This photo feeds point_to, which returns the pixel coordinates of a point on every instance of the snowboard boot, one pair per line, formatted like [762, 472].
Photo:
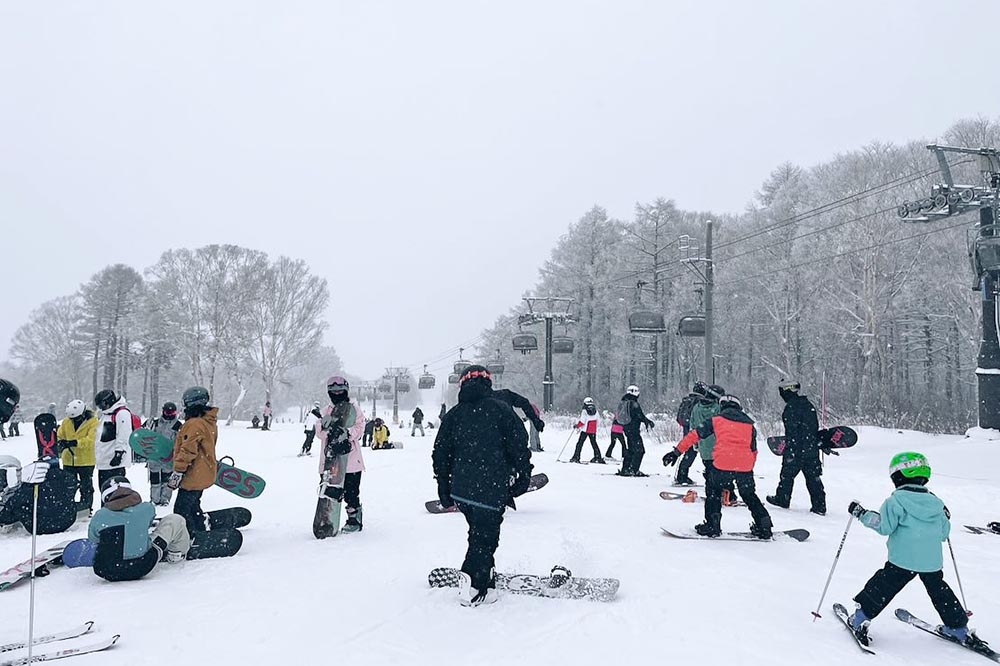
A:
[469, 596]
[709, 528]
[994, 526]
[624, 472]
[773, 499]
[859, 625]
[598, 460]
[761, 530]
[818, 511]
[638, 473]
[684, 481]
[353, 523]
[575, 459]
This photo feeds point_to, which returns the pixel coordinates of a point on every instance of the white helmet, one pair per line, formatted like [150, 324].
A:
[632, 390]
[316, 404]
[588, 401]
[75, 408]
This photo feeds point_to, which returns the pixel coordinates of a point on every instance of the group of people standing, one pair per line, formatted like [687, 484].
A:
[625, 429]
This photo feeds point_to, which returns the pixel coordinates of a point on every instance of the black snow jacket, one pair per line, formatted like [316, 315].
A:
[480, 448]
[518, 401]
[418, 416]
[801, 425]
[684, 411]
[56, 504]
[630, 414]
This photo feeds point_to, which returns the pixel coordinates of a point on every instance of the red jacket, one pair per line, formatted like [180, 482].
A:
[735, 440]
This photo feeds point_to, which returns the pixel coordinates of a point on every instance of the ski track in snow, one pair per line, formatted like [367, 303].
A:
[287, 598]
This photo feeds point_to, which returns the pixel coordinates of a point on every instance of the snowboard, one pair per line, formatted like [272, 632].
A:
[237, 481]
[51, 556]
[537, 481]
[151, 445]
[233, 518]
[388, 446]
[844, 617]
[215, 543]
[786, 535]
[45, 435]
[838, 437]
[906, 616]
[79, 553]
[983, 530]
[692, 497]
[553, 587]
[330, 499]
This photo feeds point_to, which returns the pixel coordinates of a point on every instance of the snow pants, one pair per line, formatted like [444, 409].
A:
[616, 437]
[85, 476]
[890, 580]
[416, 427]
[308, 444]
[634, 452]
[173, 530]
[809, 464]
[716, 480]
[579, 445]
[352, 490]
[484, 537]
[15, 429]
[188, 506]
[684, 465]
[534, 441]
[159, 473]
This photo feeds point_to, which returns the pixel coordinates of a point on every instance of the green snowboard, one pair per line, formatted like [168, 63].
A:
[151, 445]
[237, 481]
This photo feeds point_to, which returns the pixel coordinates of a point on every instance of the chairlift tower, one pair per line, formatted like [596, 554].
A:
[400, 378]
[550, 310]
[701, 265]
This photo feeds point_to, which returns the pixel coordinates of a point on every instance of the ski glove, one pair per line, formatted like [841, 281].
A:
[64, 444]
[116, 460]
[539, 425]
[175, 480]
[520, 484]
[855, 509]
[671, 458]
[650, 425]
[34, 472]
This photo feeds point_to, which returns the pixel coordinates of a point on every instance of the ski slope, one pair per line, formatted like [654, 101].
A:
[363, 599]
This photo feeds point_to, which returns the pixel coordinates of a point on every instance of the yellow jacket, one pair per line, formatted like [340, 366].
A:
[81, 455]
[380, 435]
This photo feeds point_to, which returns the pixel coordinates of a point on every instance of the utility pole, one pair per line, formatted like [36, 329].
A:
[709, 287]
[395, 374]
[556, 310]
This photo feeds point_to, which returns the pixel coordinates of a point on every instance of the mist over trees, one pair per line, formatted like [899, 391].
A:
[818, 279]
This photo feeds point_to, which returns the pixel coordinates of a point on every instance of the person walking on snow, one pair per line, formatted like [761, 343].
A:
[167, 425]
[312, 420]
[195, 465]
[267, 416]
[481, 463]
[587, 425]
[418, 422]
[802, 447]
[113, 430]
[734, 456]
[75, 439]
[15, 423]
[917, 523]
[631, 417]
[345, 413]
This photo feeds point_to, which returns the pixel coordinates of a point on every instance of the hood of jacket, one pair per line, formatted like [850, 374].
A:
[733, 414]
[122, 498]
[920, 503]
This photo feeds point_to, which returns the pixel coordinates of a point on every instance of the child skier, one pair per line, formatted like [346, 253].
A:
[312, 418]
[75, 439]
[195, 465]
[587, 425]
[167, 425]
[916, 522]
[346, 414]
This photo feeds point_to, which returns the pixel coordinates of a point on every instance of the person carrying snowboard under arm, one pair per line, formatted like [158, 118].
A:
[587, 425]
[734, 456]
[113, 430]
[802, 447]
[309, 425]
[159, 471]
[917, 523]
[631, 417]
[481, 463]
[344, 423]
[75, 440]
[195, 465]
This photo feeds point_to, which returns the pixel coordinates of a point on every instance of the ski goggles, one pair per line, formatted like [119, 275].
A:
[475, 374]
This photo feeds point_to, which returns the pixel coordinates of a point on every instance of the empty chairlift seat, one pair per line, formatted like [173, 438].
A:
[646, 321]
[691, 326]
[524, 342]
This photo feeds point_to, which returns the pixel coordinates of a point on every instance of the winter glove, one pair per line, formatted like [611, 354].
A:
[116, 460]
[64, 444]
[520, 484]
[539, 424]
[671, 458]
[444, 494]
[175, 480]
[577, 426]
[855, 509]
[650, 425]
[34, 472]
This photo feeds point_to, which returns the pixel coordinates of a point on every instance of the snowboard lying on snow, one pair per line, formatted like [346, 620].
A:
[51, 556]
[561, 584]
[787, 535]
[537, 481]
[219, 542]
[692, 496]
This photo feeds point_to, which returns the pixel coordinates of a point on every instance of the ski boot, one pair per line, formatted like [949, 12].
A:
[353, 523]
[994, 526]
[597, 460]
[957, 634]
[575, 459]
[859, 623]
[773, 499]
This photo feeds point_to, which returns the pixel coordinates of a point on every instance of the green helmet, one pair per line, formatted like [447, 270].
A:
[911, 465]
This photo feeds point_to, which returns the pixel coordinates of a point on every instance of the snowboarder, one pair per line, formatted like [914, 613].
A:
[366, 437]
[587, 425]
[684, 412]
[733, 459]
[167, 425]
[56, 490]
[380, 435]
[267, 416]
[802, 447]
[255, 422]
[113, 430]
[312, 419]
[916, 522]
[631, 417]
[481, 463]
[120, 532]
[75, 440]
[195, 465]
[345, 413]
[418, 422]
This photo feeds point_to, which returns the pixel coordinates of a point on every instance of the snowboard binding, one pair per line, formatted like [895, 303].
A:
[559, 575]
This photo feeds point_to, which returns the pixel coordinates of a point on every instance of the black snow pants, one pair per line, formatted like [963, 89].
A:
[85, 475]
[716, 480]
[809, 464]
[484, 537]
[634, 452]
[890, 580]
[352, 490]
[684, 465]
[616, 437]
[308, 444]
[579, 445]
[187, 505]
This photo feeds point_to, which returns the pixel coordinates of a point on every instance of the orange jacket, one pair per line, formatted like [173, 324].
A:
[194, 451]
[735, 440]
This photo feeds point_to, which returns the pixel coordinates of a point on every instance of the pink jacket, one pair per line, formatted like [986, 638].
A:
[355, 463]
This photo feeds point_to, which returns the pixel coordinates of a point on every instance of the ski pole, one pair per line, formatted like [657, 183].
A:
[954, 563]
[31, 602]
[571, 433]
[836, 558]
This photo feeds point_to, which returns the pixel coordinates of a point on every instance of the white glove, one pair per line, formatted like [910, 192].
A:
[34, 472]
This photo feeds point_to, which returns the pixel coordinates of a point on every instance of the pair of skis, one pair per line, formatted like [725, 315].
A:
[76, 632]
[909, 618]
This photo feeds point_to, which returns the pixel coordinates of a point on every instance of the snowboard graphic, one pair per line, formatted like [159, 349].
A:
[537, 481]
[838, 437]
[45, 435]
[555, 586]
[215, 543]
[787, 535]
[237, 481]
[330, 494]
[151, 445]
[51, 556]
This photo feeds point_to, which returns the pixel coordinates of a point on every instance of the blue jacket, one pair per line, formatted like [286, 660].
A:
[914, 519]
[136, 521]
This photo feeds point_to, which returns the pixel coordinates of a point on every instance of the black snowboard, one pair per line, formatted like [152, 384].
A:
[537, 481]
[215, 543]
[837, 437]
[45, 435]
[233, 518]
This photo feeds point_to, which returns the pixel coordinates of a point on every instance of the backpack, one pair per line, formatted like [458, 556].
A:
[624, 415]
[136, 421]
[684, 411]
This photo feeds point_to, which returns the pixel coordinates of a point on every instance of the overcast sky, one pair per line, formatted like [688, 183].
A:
[425, 156]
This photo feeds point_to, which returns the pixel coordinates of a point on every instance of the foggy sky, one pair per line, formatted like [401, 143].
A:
[425, 156]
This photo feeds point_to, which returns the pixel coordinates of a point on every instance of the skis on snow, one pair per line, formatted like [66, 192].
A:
[844, 617]
[980, 647]
[50, 638]
[96, 646]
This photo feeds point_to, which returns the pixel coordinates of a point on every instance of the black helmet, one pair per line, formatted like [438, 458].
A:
[9, 397]
[196, 396]
[716, 391]
[105, 399]
[111, 485]
[169, 410]
[788, 387]
[700, 389]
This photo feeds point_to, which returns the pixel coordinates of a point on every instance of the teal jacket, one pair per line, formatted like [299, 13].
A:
[701, 413]
[915, 521]
[137, 521]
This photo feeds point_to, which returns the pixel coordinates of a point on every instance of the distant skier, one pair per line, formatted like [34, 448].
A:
[917, 523]
[587, 425]
[309, 425]
[802, 447]
[481, 463]
[347, 414]
[631, 417]
[113, 430]
[15, 423]
[75, 440]
[267, 416]
[167, 425]
[195, 466]
[734, 456]
[418, 422]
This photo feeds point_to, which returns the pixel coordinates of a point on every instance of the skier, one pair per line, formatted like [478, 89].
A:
[733, 459]
[802, 447]
[267, 416]
[159, 471]
[75, 439]
[113, 430]
[120, 533]
[587, 425]
[418, 422]
[312, 418]
[684, 412]
[345, 413]
[56, 490]
[481, 463]
[380, 435]
[15, 423]
[631, 417]
[916, 522]
[195, 465]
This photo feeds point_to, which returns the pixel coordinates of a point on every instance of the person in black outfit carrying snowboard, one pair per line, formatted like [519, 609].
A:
[481, 463]
[801, 449]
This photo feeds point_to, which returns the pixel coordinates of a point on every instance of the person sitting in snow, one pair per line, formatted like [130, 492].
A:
[380, 435]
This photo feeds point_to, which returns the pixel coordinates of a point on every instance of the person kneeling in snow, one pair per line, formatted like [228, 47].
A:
[56, 490]
[125, 550]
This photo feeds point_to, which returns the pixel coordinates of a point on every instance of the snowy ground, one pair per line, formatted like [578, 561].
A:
[363, 599]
